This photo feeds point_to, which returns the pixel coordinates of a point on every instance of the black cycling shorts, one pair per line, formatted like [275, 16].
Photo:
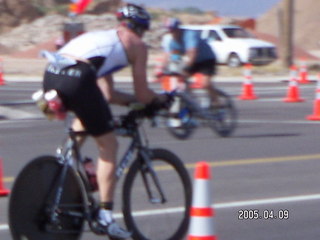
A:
[78, 89]
[207, 67]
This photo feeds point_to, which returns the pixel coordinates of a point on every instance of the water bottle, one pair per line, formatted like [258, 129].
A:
[38, 97]
[55, 104]
[91, 173]
[42, 104]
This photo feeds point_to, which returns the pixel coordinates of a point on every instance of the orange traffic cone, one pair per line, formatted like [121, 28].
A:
[247, 86]
[316, 107]
[170, 83]
[198, 81]
[202, 214]
[3, 190]
[303, 72]
[1, 73]
[293, 94]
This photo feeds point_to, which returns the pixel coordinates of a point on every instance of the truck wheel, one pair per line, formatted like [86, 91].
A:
[234, 60]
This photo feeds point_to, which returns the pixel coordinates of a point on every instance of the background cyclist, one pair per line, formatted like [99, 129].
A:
[86, 88]
[193, 53]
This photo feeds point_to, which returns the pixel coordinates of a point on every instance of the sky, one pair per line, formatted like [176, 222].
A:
[234, 8]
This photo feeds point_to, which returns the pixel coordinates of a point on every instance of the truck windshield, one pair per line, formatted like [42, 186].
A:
[237, 33]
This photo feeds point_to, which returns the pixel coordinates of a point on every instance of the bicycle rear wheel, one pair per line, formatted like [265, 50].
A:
[31, 199]
[180, 124]
[150, 218]
[223, 119]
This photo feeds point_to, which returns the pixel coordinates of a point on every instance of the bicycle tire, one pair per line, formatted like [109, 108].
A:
[184, 115]
[223, 120]
[30, 196]
[172, 218]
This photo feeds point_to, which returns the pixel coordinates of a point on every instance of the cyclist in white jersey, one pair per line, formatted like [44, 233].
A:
[86, 83]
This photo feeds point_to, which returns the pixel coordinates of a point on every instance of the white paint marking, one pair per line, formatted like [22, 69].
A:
[4, 227]
[278, 121]
[266, 201]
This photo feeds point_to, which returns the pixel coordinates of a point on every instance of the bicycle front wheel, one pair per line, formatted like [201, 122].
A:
[31, 201]
[148, 214]
[223, 119]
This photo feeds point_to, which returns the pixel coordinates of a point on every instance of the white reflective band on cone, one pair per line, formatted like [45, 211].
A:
[201, 226]
[201, 194]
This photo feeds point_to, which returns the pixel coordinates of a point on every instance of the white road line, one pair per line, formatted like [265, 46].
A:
[266, 201]
[4, 227]
[279, 121]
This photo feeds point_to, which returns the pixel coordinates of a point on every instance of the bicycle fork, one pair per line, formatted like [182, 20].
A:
[150, 178]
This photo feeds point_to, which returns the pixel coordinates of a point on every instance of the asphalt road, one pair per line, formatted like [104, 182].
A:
[270, 164]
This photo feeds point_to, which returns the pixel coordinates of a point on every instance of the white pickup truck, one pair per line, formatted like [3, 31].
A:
[234, 45]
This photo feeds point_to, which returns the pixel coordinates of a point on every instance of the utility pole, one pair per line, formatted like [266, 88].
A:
[287, 32]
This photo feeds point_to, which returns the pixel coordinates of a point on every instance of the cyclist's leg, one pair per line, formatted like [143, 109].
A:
[78, 126]
[94, 113]
[209, 87]
[107, 146]
[208, 69]
[95, 116]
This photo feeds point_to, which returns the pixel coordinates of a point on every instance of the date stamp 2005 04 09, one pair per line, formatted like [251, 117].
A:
[255, 214]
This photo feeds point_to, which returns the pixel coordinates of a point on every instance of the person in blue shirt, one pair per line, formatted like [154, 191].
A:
[187, 47]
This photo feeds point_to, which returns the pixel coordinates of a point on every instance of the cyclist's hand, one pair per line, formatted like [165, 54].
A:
[163, 101]
[168, 99]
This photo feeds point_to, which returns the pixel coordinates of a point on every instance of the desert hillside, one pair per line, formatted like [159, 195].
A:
[26, 24]
[306, 22]
[13, 13]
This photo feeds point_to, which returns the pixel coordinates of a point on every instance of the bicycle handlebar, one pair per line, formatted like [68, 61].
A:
[139, 111]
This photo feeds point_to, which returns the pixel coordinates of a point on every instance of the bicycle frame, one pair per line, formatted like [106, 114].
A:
[66, 156]
[185, 91]
[143, 154]
[69, 157]
[193, 105]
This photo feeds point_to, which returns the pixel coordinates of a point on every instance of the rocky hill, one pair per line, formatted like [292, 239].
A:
[24, 24]
[16, 12]
[28, 37]
[13, 13]
[306, 23]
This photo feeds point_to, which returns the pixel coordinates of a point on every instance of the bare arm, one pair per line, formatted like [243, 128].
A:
[111, 94]
[139, 73]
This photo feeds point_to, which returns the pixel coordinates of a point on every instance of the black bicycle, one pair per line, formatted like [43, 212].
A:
[52, 198]
[191, 110]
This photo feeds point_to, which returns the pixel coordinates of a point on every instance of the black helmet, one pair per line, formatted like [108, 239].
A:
[138, 17]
